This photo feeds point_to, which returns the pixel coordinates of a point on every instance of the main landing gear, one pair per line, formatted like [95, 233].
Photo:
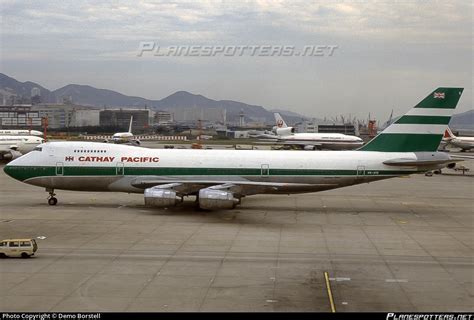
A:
[52, 201]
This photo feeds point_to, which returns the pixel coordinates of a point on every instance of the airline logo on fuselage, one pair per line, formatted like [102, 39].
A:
[111, 159]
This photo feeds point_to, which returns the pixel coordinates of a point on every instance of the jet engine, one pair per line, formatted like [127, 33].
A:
[161, 197]
[285, 131]
[451, 165]
[135, 142]
[217, 199]
[10, 155]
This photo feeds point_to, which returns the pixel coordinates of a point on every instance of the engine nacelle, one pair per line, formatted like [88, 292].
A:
[216, 199]
[285, 131]
[160, 197]
[10, 155]
[451, 165]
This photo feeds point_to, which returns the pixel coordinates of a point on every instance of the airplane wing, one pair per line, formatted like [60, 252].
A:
[461, 157]
[240, 187]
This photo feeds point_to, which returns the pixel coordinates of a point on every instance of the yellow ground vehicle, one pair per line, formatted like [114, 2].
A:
[24, 248]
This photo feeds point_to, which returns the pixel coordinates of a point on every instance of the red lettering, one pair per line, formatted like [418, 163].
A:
[134, 159]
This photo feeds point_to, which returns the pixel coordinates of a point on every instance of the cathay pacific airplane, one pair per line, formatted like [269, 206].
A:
[221, 178]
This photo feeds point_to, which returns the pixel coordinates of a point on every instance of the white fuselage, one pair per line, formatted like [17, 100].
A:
[122, 137]
[464, 143]
[108, 167]
[22, 144]
[333, 141]
[20, 133]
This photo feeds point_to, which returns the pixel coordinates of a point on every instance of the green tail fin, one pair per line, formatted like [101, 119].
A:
[421, 128]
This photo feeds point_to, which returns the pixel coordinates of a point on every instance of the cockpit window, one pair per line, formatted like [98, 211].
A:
[38, 149]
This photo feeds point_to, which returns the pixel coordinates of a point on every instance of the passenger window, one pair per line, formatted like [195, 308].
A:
[14, 244]
[37, 149]
[2, 244]
[25, 244]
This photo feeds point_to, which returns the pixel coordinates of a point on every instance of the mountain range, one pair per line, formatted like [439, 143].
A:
[90, 96]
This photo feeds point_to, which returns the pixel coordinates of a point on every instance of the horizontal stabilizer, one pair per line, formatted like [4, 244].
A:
[414, 162]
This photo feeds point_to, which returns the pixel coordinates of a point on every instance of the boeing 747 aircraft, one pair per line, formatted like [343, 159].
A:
[221, 178]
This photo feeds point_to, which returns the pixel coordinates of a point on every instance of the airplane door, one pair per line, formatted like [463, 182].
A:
[360, 172]
[120, 169]
[265, 170]
[59, 168]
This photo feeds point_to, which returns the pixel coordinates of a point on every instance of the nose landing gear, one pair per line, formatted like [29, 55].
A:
[52, 201]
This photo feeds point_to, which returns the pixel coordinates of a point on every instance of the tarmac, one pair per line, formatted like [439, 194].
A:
[404, 244]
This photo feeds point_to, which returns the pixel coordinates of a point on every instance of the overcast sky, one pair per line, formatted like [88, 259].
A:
[390, 54]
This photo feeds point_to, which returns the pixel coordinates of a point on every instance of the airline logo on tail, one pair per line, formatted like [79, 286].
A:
[421, 128]
[279, 121]
[448, 134]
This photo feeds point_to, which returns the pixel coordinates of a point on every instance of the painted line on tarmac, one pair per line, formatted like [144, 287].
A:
[396, 280]
[340, 279]
[328, 287]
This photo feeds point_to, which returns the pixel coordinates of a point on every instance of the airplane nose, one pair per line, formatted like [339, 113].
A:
[8, 170]
[13, 171]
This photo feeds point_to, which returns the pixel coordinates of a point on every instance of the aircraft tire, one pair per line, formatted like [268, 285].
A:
[52, 201]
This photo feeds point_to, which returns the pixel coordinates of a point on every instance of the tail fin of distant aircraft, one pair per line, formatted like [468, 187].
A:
[448, 134]
[421, 128]
[130, 127]
[279, 121]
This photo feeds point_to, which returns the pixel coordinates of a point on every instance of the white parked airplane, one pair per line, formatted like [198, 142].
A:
[13, 146]
[310, 141]
[20, 133]
[126, 137]
[465, 143]
[221, 178]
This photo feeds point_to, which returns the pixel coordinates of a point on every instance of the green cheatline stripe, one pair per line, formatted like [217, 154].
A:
[404, 142]
[450, 100]
[26, 172]
[423, 120]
